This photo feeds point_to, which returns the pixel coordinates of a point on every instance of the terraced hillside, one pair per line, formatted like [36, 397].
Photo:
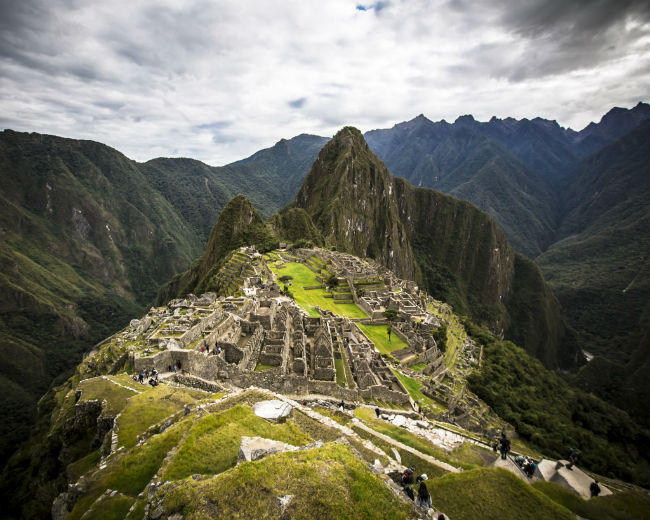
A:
[199, 444]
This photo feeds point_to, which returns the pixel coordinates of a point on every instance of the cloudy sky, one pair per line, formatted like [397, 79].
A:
[217, 80]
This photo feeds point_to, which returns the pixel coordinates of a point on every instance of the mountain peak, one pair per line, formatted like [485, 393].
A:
[467, 119]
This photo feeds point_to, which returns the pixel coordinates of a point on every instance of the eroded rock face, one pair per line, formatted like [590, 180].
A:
[274, 411]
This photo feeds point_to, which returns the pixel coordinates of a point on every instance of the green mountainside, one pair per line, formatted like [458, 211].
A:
[85, 243]
[89, 236]
[576, 202]
[349, 196]
[454, 250]
[600, 269]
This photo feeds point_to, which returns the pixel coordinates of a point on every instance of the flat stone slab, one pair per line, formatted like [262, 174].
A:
[573, 479]
[275, 410]
[254, 448]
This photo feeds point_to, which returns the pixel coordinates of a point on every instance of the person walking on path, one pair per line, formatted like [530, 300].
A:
[504, 446]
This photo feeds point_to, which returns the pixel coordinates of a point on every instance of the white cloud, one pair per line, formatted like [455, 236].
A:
[217, 81]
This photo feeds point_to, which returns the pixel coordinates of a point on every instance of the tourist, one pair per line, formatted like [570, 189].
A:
[530, 467]
[407, 477]
[504, 446]
[377, 412]
[594, 488]
[424, 498]
[573, 458]
[341, 405]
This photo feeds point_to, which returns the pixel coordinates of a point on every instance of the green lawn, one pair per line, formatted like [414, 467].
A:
[213, 443]
[378, 334]
[340, 372]
[149, 407]
[324, 483]
[413, 386]
[309, 299]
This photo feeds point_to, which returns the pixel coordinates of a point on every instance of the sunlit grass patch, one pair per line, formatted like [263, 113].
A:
[110, 508]
[378, 334]
[130, 472]
[309, 299]
[212, 445]
[413, 387]
[99, 388]
[329, 482]
[151, 407]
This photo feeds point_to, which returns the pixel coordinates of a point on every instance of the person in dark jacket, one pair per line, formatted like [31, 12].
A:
[594, 488]
[424, 498]
[504, 445]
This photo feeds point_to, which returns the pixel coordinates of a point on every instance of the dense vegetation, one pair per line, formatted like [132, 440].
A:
[577, 202]
[555, 417]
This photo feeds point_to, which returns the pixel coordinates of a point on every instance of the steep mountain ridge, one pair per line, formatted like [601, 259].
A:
[349, 197]
[607, 201]
[454, 250]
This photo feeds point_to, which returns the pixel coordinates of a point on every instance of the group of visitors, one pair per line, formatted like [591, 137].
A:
[527, 464]
[423, 498]
[146, 374]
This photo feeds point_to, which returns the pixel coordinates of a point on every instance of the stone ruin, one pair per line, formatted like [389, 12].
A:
[263, 339]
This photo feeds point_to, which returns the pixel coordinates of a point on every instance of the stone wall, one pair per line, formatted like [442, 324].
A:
[194, 382]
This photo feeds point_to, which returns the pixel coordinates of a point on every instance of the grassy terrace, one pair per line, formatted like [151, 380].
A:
[378, 334]
[466, 457]
[413, 386]
[455, 331]
[310, 299]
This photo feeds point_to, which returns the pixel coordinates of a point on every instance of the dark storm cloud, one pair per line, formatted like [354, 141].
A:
[551, 36]
[578, 17]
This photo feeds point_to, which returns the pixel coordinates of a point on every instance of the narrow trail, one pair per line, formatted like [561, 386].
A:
[401, 446]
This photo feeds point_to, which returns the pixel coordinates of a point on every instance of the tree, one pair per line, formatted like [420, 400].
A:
[285, 278]
[391, 316]
[332, 281]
